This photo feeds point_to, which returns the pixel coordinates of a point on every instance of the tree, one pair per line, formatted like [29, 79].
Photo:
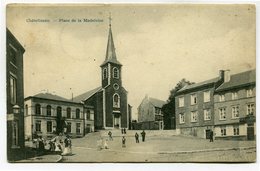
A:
[169, 108]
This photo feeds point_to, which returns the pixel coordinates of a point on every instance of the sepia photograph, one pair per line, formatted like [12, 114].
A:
[131, 83]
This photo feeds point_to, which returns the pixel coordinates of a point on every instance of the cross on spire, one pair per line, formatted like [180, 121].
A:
[110, 19]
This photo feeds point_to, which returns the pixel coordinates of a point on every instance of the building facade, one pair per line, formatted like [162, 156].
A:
[195, 107]
[110, 100]
[150, 114]
[47, 115]
[15, 96]
[235, 107]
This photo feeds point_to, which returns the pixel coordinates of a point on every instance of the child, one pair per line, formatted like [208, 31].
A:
[123, 142]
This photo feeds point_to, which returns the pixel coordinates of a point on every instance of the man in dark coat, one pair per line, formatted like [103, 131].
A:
[136, 137]
[143, 135]
[211, 136]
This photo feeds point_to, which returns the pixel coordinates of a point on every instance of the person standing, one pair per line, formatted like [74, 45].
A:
[124, 131]
[123, 142]
[136, 137]
[211, 136]
[143, 135]
[110, 136]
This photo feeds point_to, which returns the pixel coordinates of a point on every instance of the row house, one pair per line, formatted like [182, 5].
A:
[47, 114]
[224, 105]
[235, 107]
[150, 114]
[14, 97]
[195, 107]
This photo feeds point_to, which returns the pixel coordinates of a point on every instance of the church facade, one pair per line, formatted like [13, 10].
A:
[109, 101]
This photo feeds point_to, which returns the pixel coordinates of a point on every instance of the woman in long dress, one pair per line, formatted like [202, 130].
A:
[67, 149]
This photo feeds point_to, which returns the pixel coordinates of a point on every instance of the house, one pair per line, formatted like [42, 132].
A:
[235, 107]
[109, 101]
[150, 114]
[47, 115]
[195, 107]
[14, 96]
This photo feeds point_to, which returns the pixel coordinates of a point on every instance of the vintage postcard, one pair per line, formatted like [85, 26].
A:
[131, 83]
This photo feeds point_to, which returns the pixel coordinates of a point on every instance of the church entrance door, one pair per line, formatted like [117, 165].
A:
[117, 121]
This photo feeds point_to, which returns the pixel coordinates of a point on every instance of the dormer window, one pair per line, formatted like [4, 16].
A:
[115, 73]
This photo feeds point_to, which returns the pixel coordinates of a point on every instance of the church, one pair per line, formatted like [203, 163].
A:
[109, 101]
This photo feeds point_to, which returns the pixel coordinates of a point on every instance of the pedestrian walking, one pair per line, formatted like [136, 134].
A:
[211, 136]
[110, 136]
[123, 142]
[136, 137]
[143, 135]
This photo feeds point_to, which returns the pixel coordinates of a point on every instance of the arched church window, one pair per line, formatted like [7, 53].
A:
[104, 73]
[115, 72]
[116, 101]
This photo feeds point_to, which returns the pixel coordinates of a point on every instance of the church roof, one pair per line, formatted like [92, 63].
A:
[237, 80]
[157, 102]
[86, 95]
[51, 97]
[111, 52]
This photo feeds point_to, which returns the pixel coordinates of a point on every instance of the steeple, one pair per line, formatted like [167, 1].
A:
[110, 53]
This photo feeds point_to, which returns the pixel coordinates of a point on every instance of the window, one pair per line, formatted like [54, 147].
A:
[115, 73]
[68, 127]
[181, 101]
[92, 115]
[26, 109]
[59, 112]
[193, 99]
[207, 114]
[12, 55]
[38, 126]
[104, 73]
[68, 112]
[38, 109]
[88, 114]
[116, 101]
[223, 131]
[182, 118]
[77, 128]
[234, 95]
[221, 97]
[157, 111]
[236, 129]
[222, 113]
[194, 116]
[250, 109]
[13, 89]
[49, 126]
[235, 112]
[48, 110]
[206, 96]
[77, 113]
[15, 133]
[249, 92]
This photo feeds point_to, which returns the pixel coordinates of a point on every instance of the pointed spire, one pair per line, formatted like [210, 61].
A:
[110, 53]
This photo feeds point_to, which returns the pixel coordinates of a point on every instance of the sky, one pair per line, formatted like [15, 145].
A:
[158, 45]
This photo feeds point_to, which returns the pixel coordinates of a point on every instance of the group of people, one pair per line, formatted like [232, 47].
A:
[58, 144]
[137, 136]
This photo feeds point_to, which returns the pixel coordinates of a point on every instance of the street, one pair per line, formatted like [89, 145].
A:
[161, 149]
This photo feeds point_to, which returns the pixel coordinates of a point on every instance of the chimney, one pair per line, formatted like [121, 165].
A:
[221, 74]
[227, 76]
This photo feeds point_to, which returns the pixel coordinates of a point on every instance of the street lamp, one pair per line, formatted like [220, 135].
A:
[16, 109]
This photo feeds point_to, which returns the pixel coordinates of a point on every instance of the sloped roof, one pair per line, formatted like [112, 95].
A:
[51, 97]
[188, 87]
[240, 79]
[157, 102]
[86, 95]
